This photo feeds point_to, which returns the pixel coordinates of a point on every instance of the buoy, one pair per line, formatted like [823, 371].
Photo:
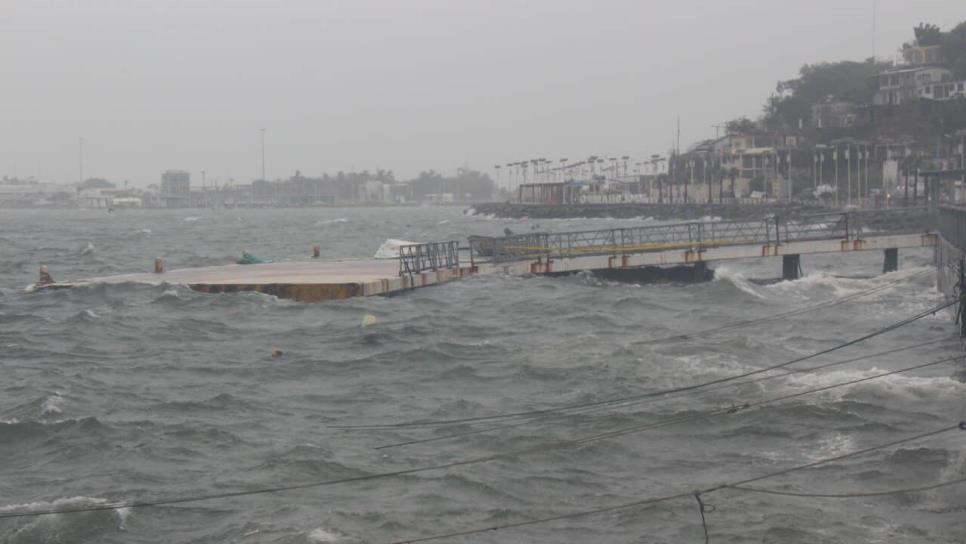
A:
[158, 265]
[316, 251]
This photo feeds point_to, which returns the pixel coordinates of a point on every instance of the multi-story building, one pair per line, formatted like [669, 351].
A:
[176, 189]
[834, 114]
[946, 90]
[903, 84]
[923, 55]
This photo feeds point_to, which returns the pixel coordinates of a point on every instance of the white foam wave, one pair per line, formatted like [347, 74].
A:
[64, 502]
[390, 248]
[896, 385]
[723, 273]
[52, 405]
[191, 219]
[831, 445]
[88, 249]
[338, 220]
[323, 535]
[805, 287]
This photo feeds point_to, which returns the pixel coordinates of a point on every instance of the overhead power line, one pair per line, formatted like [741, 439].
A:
[853, 495]
[416, 470]
[693, 387]
[626, 404]
[682, 495]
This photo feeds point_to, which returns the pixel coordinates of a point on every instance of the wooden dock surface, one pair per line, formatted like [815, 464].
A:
[307, 281]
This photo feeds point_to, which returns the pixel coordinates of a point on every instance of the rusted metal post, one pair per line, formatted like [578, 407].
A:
[158, 265]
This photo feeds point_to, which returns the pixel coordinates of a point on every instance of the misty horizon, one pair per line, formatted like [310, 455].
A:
[399, 86]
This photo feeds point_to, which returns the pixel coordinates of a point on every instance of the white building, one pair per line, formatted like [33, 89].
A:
[901, 85]
[948, 90]
[94, 198]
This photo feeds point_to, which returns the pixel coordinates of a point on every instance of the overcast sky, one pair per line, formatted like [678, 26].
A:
[405, 85]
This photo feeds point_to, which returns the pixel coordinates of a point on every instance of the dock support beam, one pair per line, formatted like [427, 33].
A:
[701, 273]
[891, 261]
[791, 264]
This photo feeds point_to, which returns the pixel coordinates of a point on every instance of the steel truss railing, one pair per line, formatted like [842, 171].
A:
[852, 225]
[417, 258]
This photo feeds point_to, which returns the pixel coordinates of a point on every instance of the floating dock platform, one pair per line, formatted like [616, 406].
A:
[628, 249]
[306, 281]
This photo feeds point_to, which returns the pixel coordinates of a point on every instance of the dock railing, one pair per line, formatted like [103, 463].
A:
[852, 225]
[417, 258]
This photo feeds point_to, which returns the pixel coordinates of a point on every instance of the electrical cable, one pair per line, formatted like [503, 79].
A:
[654, 500]
[404, 472]
[588, 410]
[851, 495]
[735, 408]
[530, 413]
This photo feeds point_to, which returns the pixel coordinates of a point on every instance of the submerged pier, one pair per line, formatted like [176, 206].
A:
[621, 252]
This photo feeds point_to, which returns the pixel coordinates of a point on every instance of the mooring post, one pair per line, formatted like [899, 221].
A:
[791, 265]
[890, 262]
[315, 252]
[158, 265]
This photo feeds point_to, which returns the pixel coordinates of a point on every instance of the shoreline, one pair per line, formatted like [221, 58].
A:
[506, 210]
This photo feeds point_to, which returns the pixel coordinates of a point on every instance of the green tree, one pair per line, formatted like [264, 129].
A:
[927, 34]
[954, 49]
[95, 183]
[741, 125]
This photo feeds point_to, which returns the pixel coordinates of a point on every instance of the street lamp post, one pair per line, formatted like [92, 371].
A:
[848, 173]
[263, 153]
[835, 157]
[80, 160]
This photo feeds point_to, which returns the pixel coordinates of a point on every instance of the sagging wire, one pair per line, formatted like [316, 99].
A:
[693, 387]
[638, 402]
[416, 470]
[687, 494]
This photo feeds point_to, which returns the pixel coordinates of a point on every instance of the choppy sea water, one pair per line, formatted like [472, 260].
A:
[136, 392]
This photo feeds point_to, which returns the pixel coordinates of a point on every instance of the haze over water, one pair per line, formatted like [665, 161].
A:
[135, 392]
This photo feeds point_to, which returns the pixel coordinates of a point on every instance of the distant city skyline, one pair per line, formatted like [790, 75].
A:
[402, 86]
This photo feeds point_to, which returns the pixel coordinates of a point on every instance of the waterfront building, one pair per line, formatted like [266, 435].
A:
[176, 189]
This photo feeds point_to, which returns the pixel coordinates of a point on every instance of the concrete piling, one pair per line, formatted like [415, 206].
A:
[890, 261]
[791, 266]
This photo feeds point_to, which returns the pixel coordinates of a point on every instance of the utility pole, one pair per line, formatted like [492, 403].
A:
[835, 157]
[263, 154]
[848, 172]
